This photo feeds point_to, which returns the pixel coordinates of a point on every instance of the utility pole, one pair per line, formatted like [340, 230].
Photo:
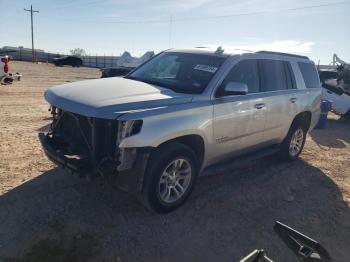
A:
[31, 19]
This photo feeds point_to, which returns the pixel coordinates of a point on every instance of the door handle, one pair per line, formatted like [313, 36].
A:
[293, 99]
[259, 106]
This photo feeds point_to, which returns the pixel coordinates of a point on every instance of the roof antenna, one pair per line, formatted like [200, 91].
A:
[219, 50]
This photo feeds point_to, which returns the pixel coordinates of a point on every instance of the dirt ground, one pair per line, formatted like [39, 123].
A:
[46, 214]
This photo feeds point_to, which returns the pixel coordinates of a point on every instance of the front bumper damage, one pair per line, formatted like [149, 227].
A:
[56, 155]
[90, 147]
[130, 180]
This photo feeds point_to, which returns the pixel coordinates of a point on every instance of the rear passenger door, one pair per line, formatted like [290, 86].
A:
[280, 98]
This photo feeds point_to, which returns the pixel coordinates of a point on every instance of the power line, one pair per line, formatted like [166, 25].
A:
[73, 4]
[211, 17]
[265, 12]
[31, 19]
[172, 20]
[49, 3]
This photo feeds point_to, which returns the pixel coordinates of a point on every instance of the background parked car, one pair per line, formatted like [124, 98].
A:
[68, 60]
[115, 71]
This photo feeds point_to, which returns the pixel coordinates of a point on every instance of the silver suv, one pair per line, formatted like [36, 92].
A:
[181, 113]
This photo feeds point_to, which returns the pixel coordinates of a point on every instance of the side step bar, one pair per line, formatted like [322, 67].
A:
[238, 161]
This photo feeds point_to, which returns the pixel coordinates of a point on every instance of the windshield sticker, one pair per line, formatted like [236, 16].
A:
[206, 68]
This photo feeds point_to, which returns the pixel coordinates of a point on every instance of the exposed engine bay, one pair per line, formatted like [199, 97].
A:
[91, 144]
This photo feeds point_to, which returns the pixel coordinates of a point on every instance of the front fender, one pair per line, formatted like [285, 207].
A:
[159, 129]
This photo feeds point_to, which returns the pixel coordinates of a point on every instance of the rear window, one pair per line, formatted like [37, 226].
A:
[309, 74]
[274, 76]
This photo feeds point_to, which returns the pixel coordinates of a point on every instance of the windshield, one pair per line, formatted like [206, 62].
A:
[181, 72]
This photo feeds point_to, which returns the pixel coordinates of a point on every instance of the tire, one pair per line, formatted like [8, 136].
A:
[162, 193]
[293, 144]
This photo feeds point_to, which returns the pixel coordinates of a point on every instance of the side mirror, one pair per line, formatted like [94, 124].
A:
[236, 88]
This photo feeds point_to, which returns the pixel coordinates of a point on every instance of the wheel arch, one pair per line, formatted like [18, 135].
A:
[193, 141]
[303, 118]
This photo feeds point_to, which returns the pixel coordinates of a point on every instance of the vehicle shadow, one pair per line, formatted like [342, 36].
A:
[334, 136]
[56, 217]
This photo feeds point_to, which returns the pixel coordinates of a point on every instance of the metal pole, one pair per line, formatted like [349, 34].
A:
[31, 20]
[32, 28]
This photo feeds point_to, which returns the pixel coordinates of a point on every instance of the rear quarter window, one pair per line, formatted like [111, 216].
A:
[310, 75]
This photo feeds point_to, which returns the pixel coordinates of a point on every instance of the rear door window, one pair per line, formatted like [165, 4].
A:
[274, 75]
[309, 73]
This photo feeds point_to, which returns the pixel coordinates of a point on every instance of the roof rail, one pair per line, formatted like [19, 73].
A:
[280, 53]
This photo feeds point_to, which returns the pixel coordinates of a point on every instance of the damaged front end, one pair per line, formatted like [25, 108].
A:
[89, 145]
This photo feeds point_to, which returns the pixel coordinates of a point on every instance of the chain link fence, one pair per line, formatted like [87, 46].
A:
[25, 54]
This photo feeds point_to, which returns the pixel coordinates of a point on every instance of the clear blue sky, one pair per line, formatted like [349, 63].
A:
[113, 26]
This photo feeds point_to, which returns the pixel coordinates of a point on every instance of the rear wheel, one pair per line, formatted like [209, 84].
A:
[169, 177]
[293, 144]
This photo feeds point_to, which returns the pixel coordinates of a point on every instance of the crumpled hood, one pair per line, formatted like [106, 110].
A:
[111, 97]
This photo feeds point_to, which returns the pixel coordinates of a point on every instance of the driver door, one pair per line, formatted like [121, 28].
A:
[239, 120]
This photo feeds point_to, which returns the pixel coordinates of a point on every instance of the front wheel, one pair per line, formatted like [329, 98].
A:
[293, 144]
[169, 178]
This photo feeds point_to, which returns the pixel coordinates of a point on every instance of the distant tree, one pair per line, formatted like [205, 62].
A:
[78, 52]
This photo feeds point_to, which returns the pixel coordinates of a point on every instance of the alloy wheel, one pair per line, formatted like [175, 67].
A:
[296, 142]
[175, 180]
